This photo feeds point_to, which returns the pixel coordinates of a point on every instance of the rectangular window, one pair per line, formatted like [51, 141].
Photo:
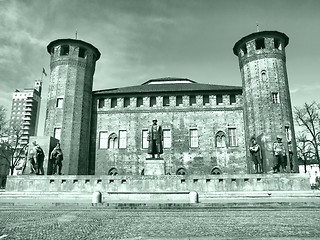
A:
[103, 140]
[122, 139]
[57, 133]
[277, 43]
[59, 103]
[82, 52]
[178, 100]
[144, 138]
[192, 100]
[100, 102]
[275, 97]
[194, 138]
[205, 99]
[139, 101]
[126, 102]
[219, 99]
[260, 43]
[232, 137]
[114, 102]
[64, 50]
[166, 138]
[153, 101]
[166, 101]
[244, 49]
[232, 99]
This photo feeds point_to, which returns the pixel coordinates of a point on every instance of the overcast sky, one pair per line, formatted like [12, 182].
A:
[145, 39]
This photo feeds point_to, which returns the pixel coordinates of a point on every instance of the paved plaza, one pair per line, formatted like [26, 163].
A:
[60, 222]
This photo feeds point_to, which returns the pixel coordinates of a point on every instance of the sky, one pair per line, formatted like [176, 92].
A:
[145, 39]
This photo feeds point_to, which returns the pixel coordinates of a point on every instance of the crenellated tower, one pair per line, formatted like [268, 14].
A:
[69, 100]
[267, 104]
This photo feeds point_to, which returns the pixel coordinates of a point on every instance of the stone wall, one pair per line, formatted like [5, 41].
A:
[198, 183]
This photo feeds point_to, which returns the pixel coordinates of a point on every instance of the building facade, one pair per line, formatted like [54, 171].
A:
[206, 128]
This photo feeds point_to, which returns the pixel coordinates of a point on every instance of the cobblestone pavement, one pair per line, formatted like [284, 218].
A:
[95, 223]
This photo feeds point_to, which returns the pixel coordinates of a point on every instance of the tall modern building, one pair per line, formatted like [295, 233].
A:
[25, 113]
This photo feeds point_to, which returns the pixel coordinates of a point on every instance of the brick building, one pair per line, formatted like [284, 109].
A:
[207, 128]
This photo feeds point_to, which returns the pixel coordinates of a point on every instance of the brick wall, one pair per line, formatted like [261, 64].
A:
[208, 120]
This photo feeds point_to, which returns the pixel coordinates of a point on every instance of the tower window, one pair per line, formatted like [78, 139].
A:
[232, 99]
[244, 49]
[219, 99]
[277, 43]
[260, 43]
[64, 50]
[153, 101]
[192, 100]
[139, 101]
[82, 52]
[101, 103]
[126, 102]
[57, 133]
[166, 101]
[275, 97]
[114, 102]
[59, 103]
[263, 75]
[205, 99]
[178, 100]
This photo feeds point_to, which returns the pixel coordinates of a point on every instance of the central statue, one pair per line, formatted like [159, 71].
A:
[155, 139]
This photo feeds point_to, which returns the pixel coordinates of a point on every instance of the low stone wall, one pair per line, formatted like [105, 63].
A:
[165, 183]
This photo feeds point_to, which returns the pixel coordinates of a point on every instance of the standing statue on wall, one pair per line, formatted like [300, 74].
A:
[256, 155]
[279, 153]
[155, 139]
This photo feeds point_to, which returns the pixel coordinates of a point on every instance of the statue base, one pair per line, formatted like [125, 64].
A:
[154, 166]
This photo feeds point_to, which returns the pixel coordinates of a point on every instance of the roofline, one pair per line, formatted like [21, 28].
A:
[70, 40]
[260, 34]
[101, 92]
[168, 79]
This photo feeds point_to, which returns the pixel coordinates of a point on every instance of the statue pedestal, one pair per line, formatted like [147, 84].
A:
[154, 166]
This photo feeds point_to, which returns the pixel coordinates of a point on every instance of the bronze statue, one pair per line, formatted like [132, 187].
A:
[256, 155]
[280, 155]
[155, 139]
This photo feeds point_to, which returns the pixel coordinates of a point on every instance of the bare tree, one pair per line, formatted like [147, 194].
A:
[305, 150]
[12, 150]
[308, 118]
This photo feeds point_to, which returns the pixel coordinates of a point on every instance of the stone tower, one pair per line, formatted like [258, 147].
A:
[69, 100]
[267, 104]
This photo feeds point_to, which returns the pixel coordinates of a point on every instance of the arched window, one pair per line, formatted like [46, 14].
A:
[216, 171]
[113, 141]
[263, 75]
[113, 171]
[220, 139]
[181, 171]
